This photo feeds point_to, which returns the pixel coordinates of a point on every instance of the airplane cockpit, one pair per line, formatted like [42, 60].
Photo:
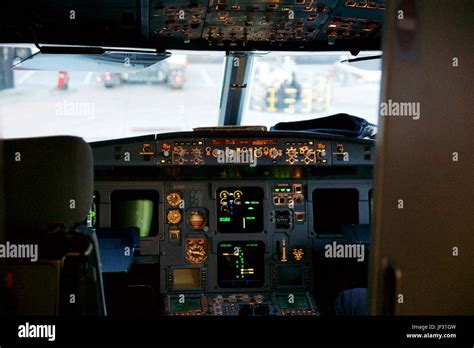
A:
[230, 211]
[230, 158]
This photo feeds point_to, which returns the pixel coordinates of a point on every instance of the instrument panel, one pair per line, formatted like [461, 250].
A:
[214, 149]
[241, 304]
[233, 235]
[241, 243]
[241, 22]
[224, 25]
[242, 152]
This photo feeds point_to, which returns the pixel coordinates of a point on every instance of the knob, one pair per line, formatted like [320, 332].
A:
[216, 152]
[196, 152]
[273, 152]
[304, 150]
[291, 152]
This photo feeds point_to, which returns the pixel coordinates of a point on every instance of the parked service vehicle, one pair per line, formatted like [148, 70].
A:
[169, 71]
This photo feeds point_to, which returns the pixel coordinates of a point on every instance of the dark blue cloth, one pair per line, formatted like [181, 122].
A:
[339, 124]
[352, 302]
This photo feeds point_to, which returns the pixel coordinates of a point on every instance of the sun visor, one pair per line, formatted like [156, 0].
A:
[96, 60]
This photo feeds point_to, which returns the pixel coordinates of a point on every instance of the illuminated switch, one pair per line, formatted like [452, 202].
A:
[299, 216]
[174, 233]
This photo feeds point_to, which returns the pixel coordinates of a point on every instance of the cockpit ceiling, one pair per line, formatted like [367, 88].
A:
[206, 25]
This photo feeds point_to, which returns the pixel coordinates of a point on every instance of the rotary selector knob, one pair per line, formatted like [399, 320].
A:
[197, 152]
[273, 153]
[217, 152]
[291, 152]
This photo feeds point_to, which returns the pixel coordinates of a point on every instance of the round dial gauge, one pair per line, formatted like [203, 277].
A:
[196, 253]
[174, 216]
[173, 199]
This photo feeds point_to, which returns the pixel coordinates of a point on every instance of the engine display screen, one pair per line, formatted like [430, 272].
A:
[240, 264]
[239, 209]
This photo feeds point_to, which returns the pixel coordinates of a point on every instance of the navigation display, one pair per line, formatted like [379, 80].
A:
[240, 264]
[239, 209]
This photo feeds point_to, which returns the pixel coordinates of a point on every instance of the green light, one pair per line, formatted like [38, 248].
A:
[224, 219]
[251, 208]
[250, 218]
[251, 245]
[226, 245]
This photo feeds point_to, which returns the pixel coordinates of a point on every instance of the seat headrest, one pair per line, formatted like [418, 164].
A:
[48, 181]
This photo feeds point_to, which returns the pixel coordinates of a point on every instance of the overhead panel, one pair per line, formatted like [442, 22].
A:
[177, 19]
[238, 22]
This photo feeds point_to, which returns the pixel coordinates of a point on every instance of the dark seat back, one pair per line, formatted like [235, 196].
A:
[48, 192]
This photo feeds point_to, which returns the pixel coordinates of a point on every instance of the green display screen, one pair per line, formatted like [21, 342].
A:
[299, 302]
[239, 209]
[240, 264]
[190, 304]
